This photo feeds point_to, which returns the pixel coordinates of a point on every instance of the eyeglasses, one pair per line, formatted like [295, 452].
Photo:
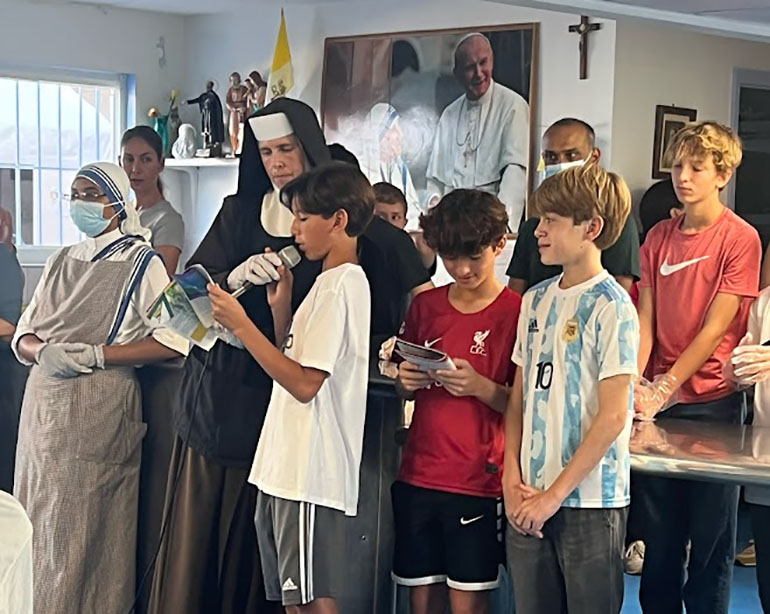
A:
[89, 195]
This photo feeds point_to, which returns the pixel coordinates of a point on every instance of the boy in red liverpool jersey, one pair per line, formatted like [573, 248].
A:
[446, 500]
[700, 272]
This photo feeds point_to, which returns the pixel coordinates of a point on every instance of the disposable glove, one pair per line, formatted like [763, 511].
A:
[653, 397]
[56, 360]
[750, 363]
[259, 269]
[91, 356]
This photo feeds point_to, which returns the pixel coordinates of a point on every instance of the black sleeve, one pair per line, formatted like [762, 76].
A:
[522, 251]
[622, 258]
[218, 252]
[402, 253]
[11, 285]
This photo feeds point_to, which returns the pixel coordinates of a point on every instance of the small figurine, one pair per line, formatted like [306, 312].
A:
[212, 121]
[257, 91]
[184, 146]
[173, 118]
[237, 105]
[160, 125]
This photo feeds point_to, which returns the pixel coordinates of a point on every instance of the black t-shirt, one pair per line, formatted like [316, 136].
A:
[225, 393]
[393, 267]
[621, 258]
[11, 284]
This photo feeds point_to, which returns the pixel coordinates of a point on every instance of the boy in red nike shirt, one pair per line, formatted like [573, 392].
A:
[700, 272]
[446, 500]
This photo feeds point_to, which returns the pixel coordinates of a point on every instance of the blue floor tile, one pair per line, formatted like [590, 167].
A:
[743, 597]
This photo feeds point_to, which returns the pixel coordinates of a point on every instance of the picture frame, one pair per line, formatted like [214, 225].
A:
[668, 121]
[410, 75]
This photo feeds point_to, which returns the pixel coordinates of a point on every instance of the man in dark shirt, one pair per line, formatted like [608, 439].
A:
[571, 142]
[13, 375]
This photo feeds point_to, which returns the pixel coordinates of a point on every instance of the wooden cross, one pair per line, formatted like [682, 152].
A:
[583, 29]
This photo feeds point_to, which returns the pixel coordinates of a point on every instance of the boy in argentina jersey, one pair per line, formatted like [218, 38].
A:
[567, 466]
[446, 500]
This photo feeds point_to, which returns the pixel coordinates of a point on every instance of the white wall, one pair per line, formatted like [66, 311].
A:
[37, 36]
[244, 41]
[655, 64]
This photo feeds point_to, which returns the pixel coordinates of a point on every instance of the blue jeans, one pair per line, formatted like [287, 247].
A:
[677, 511]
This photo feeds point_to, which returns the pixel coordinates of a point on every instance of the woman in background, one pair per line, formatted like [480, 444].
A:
[141, 156]
[78, 457]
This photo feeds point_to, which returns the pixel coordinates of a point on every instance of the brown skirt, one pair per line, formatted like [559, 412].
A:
[209, 560]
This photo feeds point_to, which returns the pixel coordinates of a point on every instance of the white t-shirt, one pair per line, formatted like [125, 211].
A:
[567, 341]
[759, 327]
[311, 452]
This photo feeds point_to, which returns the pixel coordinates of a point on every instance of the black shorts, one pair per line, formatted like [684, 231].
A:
[446, 537]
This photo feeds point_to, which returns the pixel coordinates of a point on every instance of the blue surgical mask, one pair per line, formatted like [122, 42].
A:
[555, 169]
[87, 216]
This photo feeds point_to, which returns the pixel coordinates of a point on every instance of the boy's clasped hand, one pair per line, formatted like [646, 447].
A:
[528, 509]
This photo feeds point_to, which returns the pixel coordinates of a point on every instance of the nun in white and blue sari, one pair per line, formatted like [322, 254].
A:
[79, 449]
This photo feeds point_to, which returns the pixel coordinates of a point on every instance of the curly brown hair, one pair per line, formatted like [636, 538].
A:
[464, 222]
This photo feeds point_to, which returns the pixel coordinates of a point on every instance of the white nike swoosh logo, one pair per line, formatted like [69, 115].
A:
[464, 521]
[430, 344]
[667, 269]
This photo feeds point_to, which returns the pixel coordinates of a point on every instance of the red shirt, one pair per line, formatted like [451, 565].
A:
[685, 272]
[455, 444]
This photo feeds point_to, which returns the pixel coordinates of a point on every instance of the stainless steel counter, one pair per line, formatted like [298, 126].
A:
[708, 451]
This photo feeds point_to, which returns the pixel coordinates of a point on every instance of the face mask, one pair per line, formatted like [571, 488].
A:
[87, 216]
[555, 169]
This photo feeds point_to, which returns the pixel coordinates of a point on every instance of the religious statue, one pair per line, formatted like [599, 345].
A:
[167, 126]
[237, 106]
[160, 125]
[173, 119]
[212, 122]
[184, 147]
[257, 91]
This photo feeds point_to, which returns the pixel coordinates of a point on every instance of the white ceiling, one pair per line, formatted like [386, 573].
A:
[187, 7]
[749, 18]
[740, 10]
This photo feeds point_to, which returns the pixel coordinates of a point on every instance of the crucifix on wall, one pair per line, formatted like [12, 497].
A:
[583, 29]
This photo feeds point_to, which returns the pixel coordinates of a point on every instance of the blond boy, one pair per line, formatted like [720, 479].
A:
[700, 272]
[566, 476]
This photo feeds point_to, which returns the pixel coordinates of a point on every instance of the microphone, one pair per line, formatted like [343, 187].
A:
[289, 258]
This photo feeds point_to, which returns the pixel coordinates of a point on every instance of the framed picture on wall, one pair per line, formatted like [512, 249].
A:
[668, 121]
[430, 111]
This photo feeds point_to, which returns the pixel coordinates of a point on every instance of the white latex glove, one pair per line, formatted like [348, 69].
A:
[88, 356]
[750, 363]
[653, 397]
[55, 360]
[259, 269]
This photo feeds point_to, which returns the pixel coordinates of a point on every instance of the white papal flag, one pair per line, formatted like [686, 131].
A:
[281, 77]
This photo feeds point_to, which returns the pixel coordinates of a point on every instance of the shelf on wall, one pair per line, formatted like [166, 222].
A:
[201, 162]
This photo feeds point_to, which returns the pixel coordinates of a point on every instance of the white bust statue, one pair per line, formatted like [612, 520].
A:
[184, 147]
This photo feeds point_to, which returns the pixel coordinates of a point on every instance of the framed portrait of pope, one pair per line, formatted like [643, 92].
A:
[432, 111]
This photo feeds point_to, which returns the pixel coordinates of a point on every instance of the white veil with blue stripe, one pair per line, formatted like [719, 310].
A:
[114, 182]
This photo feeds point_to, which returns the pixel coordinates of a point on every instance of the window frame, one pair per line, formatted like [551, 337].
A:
[36, 255]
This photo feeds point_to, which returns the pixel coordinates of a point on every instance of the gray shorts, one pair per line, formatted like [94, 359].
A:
[300, 546]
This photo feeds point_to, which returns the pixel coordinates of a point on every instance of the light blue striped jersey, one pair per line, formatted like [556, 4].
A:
[567, 341]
